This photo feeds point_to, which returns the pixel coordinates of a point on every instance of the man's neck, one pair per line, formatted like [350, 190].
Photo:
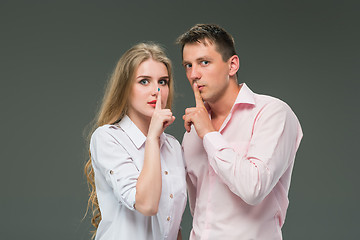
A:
[221, 108]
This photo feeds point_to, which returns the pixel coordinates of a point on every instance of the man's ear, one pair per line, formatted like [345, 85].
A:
[234, 65]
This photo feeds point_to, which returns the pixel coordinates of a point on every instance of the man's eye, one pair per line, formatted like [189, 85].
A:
[163, 82]
[204, 62]
[144, 81]
[188, 65]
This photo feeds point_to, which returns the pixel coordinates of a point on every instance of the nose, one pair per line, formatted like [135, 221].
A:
[194, 74]
[155, 90]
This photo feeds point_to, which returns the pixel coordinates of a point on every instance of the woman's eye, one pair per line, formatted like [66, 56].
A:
[163, 82]
[144, 81]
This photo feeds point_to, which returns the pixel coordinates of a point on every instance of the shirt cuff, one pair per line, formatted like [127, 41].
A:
[213, 142]
[130, 201]
[125, 192]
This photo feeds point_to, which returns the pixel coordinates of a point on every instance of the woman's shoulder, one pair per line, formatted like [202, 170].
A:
[104, 131]
[172, 140]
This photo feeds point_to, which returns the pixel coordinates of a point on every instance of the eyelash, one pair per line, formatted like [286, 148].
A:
[145, 82]
[203, 62]
[142, 81]
[165, 82]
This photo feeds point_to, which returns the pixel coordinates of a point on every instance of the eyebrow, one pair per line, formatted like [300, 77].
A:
[145, 76]
[198, 59]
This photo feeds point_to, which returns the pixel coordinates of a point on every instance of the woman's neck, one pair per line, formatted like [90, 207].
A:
[142, 123]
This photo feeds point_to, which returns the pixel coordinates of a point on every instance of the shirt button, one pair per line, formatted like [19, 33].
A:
[111, 172]
[171, 196]
[168, 219]
[166, 172]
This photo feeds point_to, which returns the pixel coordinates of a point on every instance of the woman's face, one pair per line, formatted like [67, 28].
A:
[149, 76]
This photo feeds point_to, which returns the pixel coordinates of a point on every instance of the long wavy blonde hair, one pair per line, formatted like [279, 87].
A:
[115, 102]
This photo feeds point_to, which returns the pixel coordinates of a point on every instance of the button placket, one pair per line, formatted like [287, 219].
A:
[171, 197]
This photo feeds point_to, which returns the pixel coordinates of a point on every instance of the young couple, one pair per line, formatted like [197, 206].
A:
[238, 149]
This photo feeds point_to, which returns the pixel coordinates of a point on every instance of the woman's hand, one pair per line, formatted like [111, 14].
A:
[161, 119]
[149, 184]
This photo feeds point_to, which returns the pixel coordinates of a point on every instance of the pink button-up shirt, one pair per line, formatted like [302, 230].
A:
[239, 177]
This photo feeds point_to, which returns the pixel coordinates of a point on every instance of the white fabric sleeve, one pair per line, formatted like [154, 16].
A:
[116, 165]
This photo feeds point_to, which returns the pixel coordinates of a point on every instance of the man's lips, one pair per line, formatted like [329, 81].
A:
[200, 87]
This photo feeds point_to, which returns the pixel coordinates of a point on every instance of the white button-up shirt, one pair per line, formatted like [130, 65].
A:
[117, 153]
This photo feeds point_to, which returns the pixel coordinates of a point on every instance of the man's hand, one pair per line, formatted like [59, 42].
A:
[198, 116]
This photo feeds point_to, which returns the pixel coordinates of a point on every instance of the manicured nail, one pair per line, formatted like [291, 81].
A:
[158, 89]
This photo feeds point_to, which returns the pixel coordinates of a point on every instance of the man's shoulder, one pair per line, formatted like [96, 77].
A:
[263, 100]
[272, 106]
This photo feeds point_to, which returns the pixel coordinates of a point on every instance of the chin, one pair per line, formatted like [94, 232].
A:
[204, 97]
[149, 113]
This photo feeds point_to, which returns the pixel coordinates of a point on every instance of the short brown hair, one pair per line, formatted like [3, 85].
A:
[213, 33]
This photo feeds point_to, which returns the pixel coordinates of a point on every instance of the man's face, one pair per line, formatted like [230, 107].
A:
[205, 66]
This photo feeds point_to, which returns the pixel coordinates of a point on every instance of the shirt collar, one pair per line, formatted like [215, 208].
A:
[134, 133]
[245, 95]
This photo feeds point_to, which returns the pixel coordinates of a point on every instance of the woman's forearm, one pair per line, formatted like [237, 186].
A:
[148, 187]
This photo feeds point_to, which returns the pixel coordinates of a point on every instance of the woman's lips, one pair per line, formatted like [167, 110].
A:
[152, 103]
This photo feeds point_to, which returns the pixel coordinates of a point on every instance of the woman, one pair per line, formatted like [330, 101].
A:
[136, 171]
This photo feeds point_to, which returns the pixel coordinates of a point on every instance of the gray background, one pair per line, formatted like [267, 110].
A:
[56, 56]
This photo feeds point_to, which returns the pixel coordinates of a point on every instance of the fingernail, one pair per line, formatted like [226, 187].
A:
[158, 89]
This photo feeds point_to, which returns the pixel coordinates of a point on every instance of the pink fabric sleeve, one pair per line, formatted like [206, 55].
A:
[252, 173]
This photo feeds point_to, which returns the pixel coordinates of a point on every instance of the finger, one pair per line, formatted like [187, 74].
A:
[198, 98]
[164, 113]
[187, 123]
[168, 123]
[190, 110]
[158, 100]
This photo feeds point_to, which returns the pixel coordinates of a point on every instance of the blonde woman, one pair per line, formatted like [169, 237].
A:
[136, 171]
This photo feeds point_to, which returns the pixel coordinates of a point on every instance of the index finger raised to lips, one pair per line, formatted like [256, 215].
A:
[198, 99]
[158, 100]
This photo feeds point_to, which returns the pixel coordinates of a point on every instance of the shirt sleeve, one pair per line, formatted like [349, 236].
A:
[116, 165]
[275, 138]
[190, 183]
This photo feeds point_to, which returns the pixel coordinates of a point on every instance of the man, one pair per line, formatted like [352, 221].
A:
[239, 146]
